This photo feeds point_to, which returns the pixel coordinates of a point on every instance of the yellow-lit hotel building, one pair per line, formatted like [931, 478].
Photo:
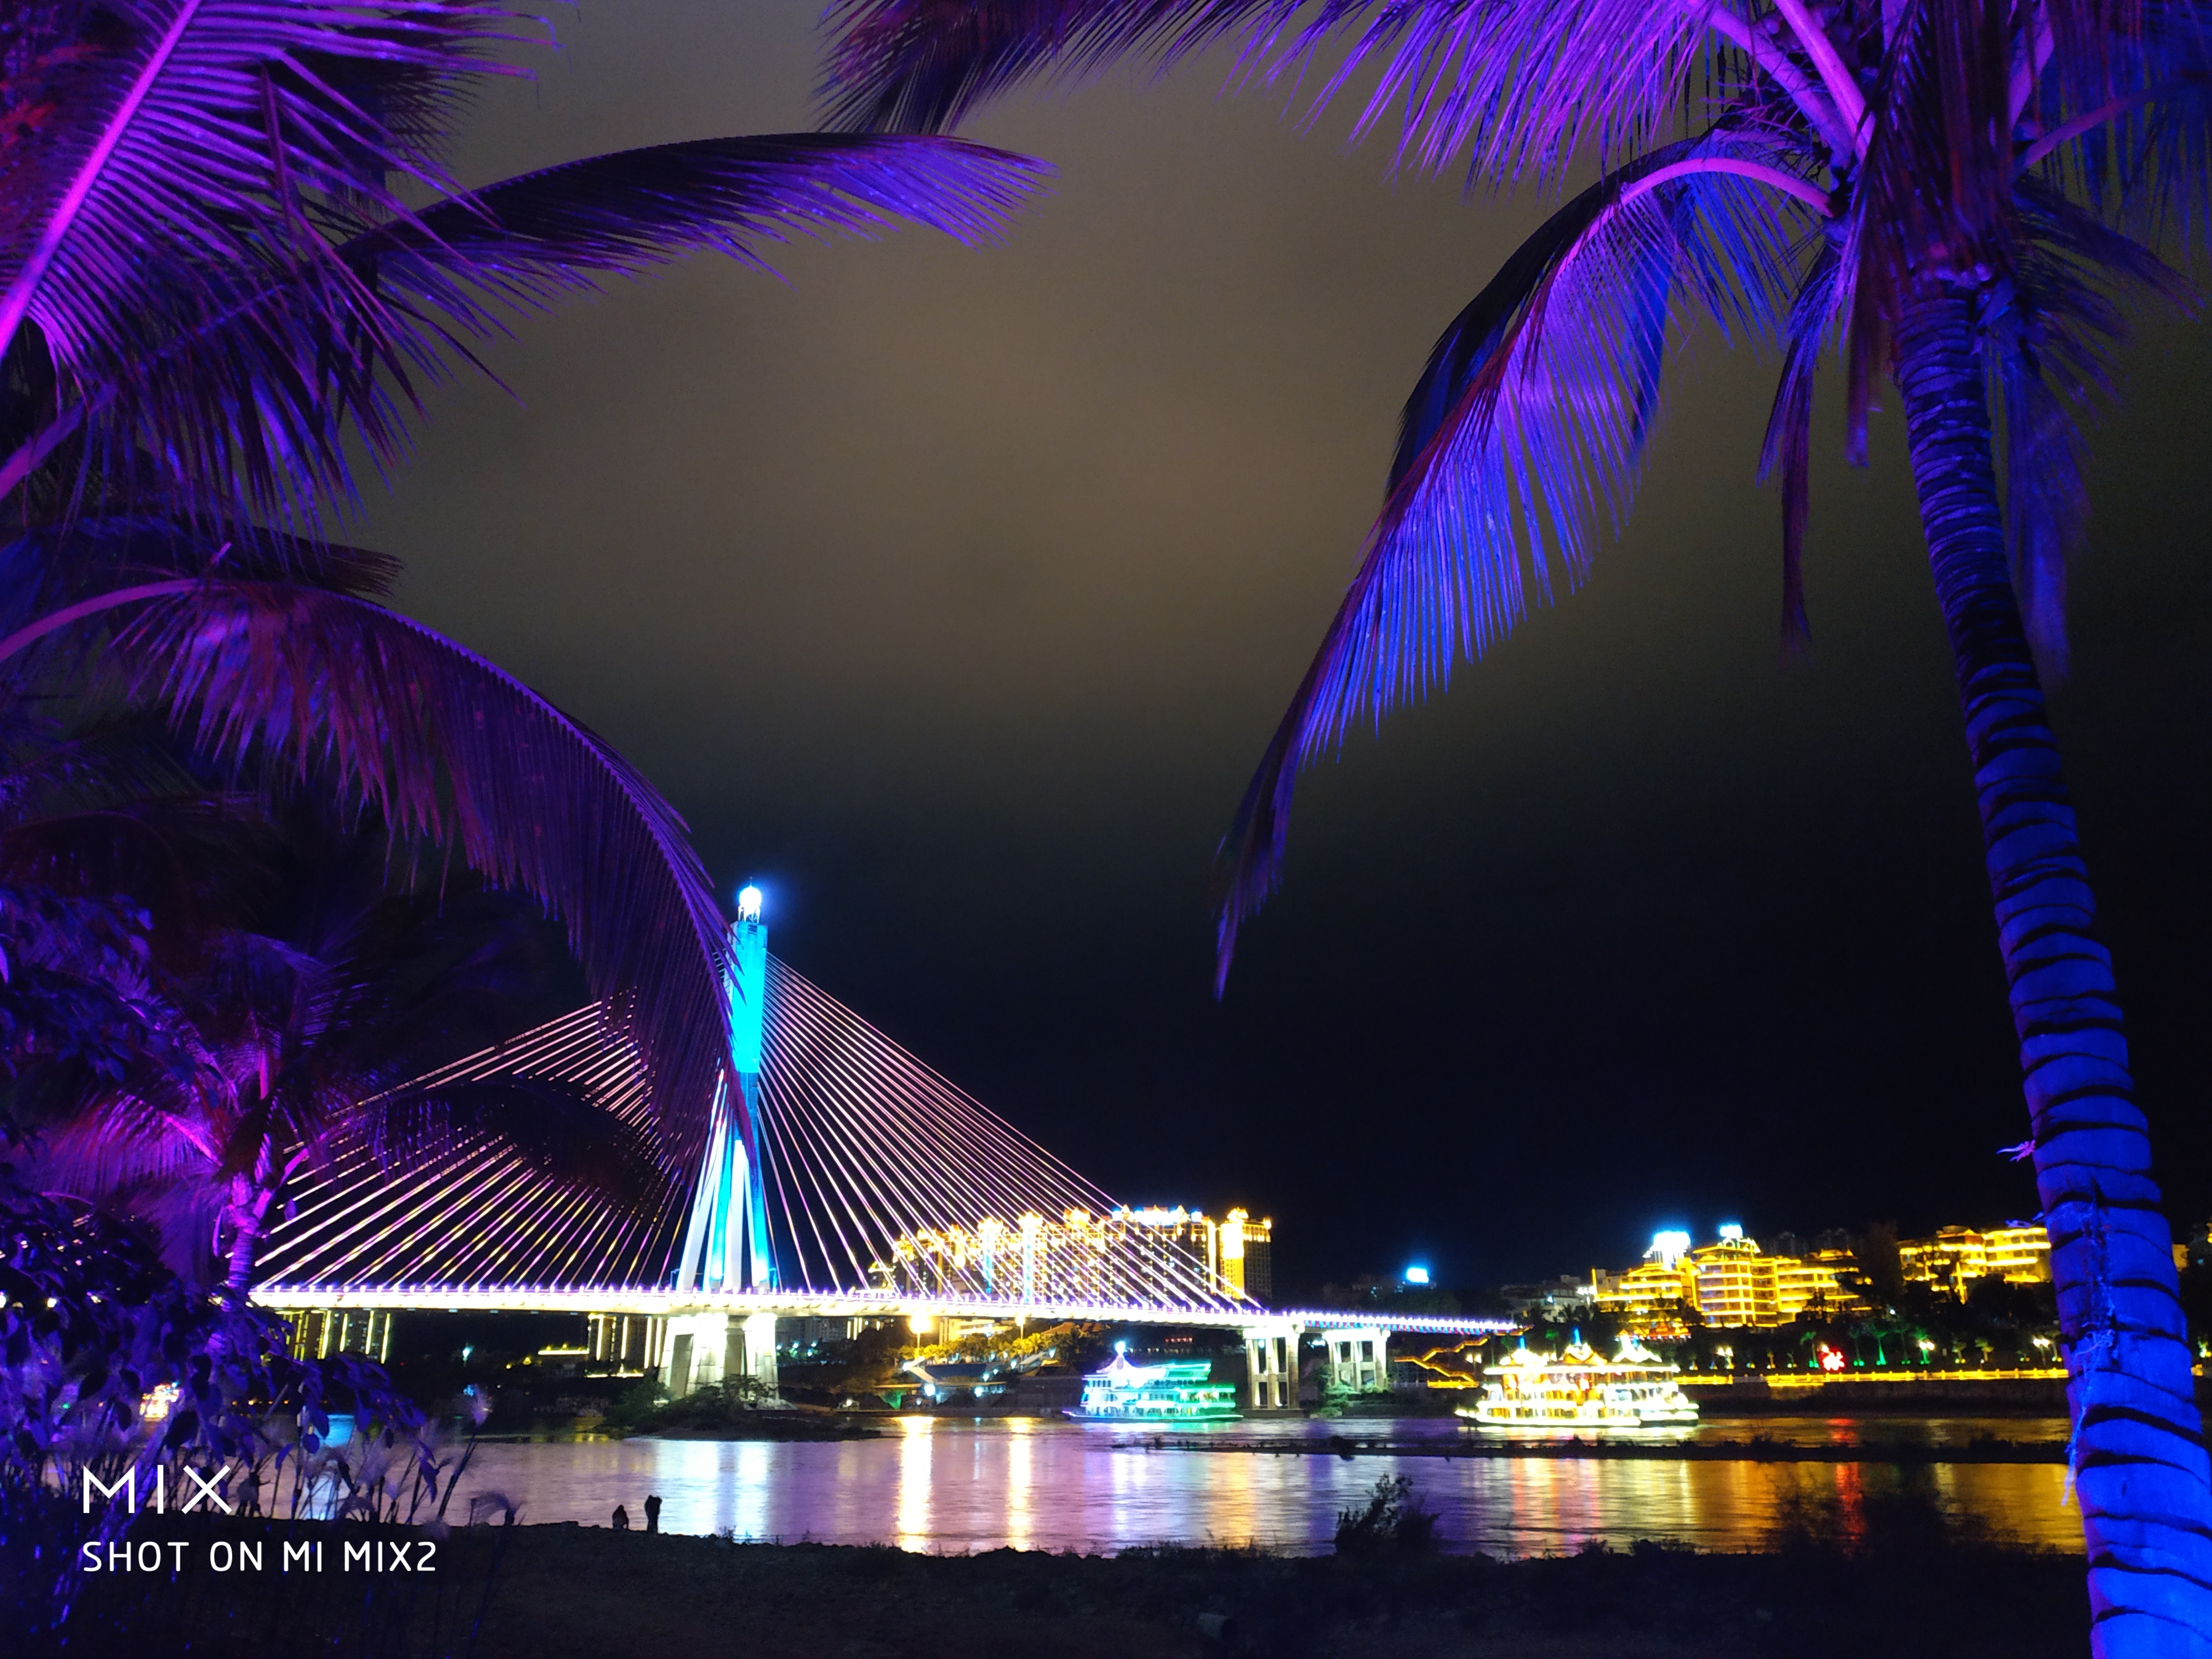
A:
[1733, 1283]
[1238, 1249]
[1729, 1282]
[2018, 1254]
[1080, 1256]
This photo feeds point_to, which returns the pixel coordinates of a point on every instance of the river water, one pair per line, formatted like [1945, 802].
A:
[950, 1485]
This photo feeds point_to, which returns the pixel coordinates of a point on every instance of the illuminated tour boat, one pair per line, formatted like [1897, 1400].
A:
[1580, 1391]
[1175, 1391]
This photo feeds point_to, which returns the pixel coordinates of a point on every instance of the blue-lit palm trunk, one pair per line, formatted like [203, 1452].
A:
[2139, 1458]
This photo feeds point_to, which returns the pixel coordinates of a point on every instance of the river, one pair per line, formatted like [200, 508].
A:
[951, 1484]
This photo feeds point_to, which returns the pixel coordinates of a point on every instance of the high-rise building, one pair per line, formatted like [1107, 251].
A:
[2019, 1253]
[1079, 1256]
[1247, 1254]
[1648, 1299]
[1825, 1280]
[1728, 1283]
[1735, 1282]
[1238, 1250]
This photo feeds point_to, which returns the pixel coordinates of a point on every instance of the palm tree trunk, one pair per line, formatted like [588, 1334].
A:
[2138, 1456]
[245, 1217]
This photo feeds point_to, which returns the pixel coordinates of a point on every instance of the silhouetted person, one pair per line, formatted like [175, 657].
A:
[653, 1515]
[622, 1519]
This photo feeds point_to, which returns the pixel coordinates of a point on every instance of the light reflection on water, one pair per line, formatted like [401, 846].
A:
[950, 1484]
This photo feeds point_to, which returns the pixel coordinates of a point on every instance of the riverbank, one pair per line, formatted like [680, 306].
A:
[1943, 1394]
[1757, 1450]
[761, 1426]
[1902, 1584]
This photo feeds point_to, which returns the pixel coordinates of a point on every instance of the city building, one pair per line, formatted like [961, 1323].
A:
[622, 1345]
[1734, 1281]
[1730, 1283]
[1564, 1297]
[1238, 1251]
[1826, 1280]
[1650, 1298]
[1080, 1256]
[1247, 1254]
[317, 1333]
[2017, 1253]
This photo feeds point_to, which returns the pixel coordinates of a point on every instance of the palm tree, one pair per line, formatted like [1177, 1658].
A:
[307, 1006]
[276, 667]
[1952, 191]
[230, 258]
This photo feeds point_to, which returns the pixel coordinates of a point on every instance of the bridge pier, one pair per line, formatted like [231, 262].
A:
[1271, 1367]
[757, 1348]
[1355, 1359]
[704, 1349]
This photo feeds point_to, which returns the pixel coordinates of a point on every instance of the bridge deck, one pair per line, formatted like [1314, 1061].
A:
[800, 1304]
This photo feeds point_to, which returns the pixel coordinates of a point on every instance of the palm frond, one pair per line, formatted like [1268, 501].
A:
[443, 745]
[1520, 89]
[113, 1143]
[2051, 340]
[1934, 201]
[1517, 88]
[142, 1172]
[59, 567]
[925, 66]
[185, 146]
[244, 408]
[1788, 446]
[1528, 424]
[2134, 140]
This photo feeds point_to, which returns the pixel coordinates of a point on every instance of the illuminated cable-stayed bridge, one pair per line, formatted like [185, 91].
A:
[841, 1177]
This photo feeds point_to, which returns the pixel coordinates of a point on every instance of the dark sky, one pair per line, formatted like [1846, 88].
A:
[953, 593]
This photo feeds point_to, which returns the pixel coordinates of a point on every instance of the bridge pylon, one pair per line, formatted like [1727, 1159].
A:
[726, 1243]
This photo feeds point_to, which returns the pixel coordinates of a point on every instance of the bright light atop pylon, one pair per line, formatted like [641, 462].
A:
[1416, 1275]
[749, 902]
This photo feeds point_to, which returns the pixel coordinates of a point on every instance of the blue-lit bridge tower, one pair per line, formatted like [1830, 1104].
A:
[726, 1244]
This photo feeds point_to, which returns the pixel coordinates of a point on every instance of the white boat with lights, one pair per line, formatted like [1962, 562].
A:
[1579, 1391]
[1173, 1391]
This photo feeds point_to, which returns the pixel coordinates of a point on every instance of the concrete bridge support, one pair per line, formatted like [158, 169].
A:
[703, 1349]
[1271, 1368]
[1357, 1359]
[759, 1350]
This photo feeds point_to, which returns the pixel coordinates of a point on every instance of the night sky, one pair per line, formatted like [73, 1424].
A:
[953, 595]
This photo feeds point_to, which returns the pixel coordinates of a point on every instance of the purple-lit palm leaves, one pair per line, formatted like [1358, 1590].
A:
[275, 663]
[228, 254]
[1945, 190]
[1527, 425]
[1530, 417]
[228, 224]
